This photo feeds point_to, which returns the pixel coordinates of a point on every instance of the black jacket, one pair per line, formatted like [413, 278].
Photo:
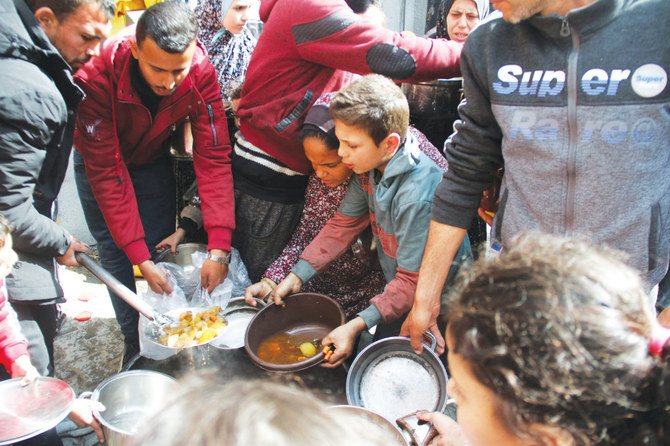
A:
[38, 104]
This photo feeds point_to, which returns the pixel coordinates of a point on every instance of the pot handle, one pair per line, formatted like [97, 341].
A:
[433, 342]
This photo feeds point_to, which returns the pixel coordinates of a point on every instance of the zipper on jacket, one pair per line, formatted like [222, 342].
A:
[565, 28]
[573, 59]
[215, 136]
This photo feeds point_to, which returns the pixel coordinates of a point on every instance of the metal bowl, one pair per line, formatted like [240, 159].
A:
[238, 315]
[300, 310]
[149, 332]
[183, 256]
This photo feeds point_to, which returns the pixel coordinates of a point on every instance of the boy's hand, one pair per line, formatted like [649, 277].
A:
[172, 241]
[155, 277]
[343, 338]
[290, 285]
[68, 259]
[82, 415]
[23, 368]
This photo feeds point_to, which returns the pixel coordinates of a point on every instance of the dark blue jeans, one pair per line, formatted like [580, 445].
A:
[155, 193]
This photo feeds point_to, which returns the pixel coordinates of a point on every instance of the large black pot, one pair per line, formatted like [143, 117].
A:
[433, 107]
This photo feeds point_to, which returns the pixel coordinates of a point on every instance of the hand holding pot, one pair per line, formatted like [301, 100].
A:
[82, 415]
[259, 290]
[343, 338]
[171, 242]
[290, 285]
[449, 432]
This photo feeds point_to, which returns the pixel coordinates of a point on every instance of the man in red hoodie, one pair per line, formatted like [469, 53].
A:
[138, 91]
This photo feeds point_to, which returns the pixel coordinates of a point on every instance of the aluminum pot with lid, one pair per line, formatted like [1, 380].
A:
[389, 378]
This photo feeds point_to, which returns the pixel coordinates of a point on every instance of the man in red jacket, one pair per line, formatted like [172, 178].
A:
[138, 91]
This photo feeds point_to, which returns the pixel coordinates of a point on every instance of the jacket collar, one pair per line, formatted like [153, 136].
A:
[585, 20]
[23, 38]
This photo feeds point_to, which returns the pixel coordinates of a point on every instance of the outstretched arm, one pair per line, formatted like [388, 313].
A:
[443, 243]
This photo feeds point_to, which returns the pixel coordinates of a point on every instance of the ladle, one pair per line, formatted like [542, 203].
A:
[123, 291]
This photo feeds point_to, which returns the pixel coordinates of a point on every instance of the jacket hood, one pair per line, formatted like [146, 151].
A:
[405, 159]
[265, 9]
[22, 37]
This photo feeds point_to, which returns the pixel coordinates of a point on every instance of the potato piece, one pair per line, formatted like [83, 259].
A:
[307, 349]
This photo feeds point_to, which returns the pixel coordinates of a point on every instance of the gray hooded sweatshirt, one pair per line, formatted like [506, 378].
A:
[578, 111]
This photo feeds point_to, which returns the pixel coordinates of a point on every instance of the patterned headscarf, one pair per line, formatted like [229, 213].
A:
[229, 53]
[445, 6]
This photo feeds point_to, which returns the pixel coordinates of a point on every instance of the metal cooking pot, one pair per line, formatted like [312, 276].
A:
[433, 107]
[301, 310]
[129, 397]
[389, 378]
[183, 255]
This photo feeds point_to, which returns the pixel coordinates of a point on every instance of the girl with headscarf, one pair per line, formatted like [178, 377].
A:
[228, 41]
[457, 18]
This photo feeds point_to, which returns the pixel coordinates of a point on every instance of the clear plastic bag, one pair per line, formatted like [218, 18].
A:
[187, 293]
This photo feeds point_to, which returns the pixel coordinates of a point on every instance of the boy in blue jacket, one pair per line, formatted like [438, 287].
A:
[392, 191]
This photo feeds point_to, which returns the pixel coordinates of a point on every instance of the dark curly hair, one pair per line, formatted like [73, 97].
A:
[560, 330]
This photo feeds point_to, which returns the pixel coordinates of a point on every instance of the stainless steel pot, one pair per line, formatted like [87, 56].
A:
[183, 255]
[389, 378]
[129, 397]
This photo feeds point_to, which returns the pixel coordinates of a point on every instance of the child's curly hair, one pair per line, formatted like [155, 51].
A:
[560, 330]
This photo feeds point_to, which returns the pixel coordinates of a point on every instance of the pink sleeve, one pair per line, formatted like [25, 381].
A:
[334, 239]
[12, 342]
[398, 296]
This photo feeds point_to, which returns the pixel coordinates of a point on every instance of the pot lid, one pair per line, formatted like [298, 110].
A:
[33, 409]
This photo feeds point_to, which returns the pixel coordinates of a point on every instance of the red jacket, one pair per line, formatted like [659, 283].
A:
[306, 49]
[116, 131]
[12, 342]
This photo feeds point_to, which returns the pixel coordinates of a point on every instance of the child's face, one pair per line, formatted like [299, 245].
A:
[327, 164]
[237, 15]
[478, 412]
[7, 257]
[359, 151]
